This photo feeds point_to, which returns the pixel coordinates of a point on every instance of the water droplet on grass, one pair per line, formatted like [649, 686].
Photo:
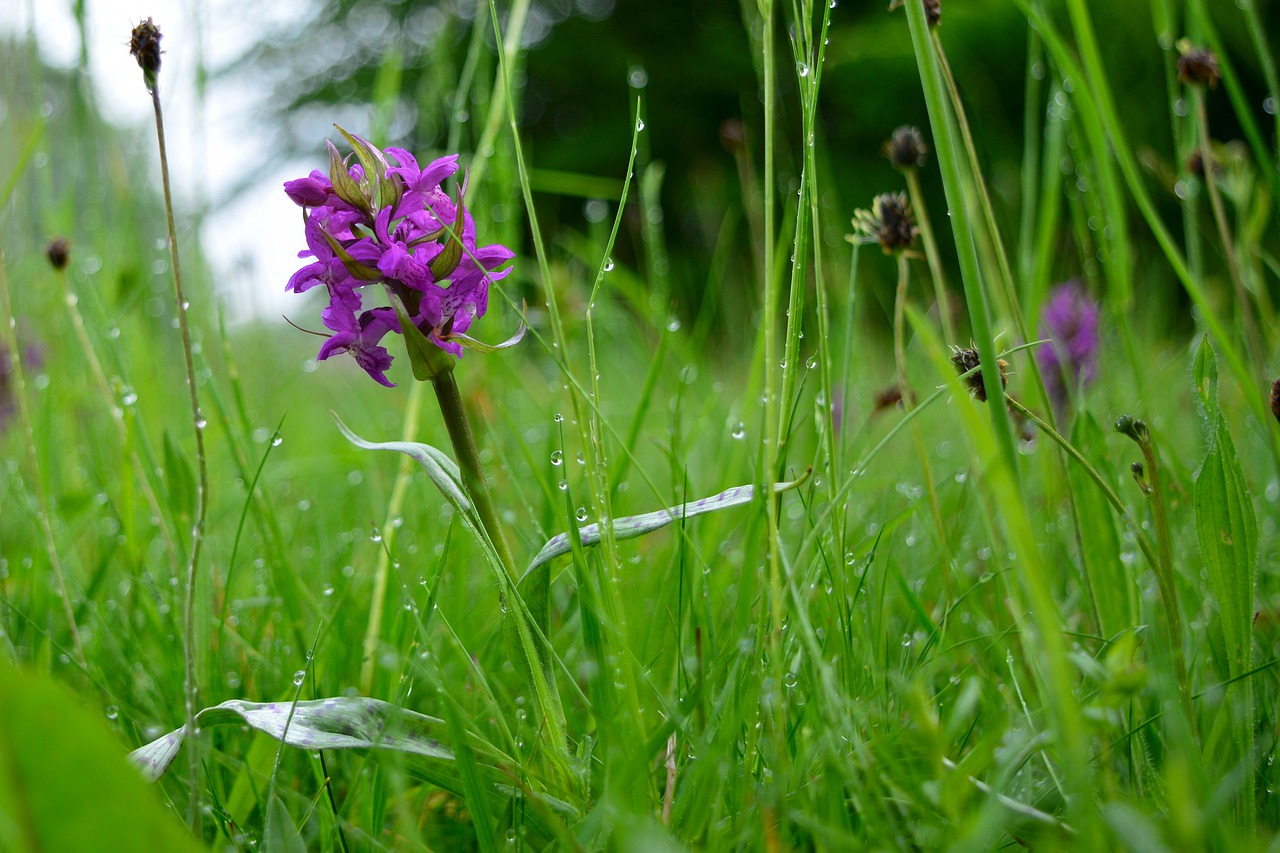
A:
[557, 458]
[299, 677]
[739, 430]
[581, 514]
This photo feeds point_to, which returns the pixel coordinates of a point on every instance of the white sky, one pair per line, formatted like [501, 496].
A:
[251, 265]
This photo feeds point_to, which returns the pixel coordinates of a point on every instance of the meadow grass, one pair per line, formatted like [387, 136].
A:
[962, 624]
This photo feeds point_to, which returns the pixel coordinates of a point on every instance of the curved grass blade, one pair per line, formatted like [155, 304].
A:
[638, 525]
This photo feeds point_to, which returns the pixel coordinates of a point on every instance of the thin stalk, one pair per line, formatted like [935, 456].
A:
[1243, 302]
[473, 478]
[37, 478]
[202, 480]
[908, 403]
[931, 255]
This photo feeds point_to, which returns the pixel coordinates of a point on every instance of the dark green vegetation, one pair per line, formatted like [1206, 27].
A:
[971, 625]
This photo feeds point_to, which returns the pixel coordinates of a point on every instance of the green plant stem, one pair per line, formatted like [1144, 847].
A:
[189, 686]
[1161, 565]
[464, 448]
[1243, 302]
[931, 255]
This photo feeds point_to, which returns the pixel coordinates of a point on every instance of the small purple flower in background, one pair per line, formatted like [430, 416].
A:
[1070, 361]
[375, 223]
[32, 359]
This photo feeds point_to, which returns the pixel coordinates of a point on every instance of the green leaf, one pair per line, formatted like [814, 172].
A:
[1225, 523]
[64, 784]
[180, 479]
[638, 525]
[280, 835]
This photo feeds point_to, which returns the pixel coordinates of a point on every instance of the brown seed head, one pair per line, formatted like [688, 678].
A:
[1197, 66]
[144, 45]
[58, 252]
[932, 10]
[906, 148]
[966, 359]
[888, 221]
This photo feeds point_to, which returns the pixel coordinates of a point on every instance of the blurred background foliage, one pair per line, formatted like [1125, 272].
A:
[693, 65]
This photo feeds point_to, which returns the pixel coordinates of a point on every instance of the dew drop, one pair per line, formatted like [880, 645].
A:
[802, 68]
[557, 458]
[563, 485]
[112, 712]
[201, 423]
[327, 590]
[812, 362]
[608, 264]
[559, 418]
[1269, 105]
[582, 458]
[581, 514]
[739, 430]
[277, 441]
[640, 124]
[673, 325]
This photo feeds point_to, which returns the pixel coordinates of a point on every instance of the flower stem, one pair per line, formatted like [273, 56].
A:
[464, 447]
[189, 686]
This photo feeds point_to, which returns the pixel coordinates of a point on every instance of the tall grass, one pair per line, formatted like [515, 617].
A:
[971, 625]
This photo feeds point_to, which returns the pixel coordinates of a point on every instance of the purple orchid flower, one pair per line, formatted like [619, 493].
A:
[394, 225]
[1070, 361]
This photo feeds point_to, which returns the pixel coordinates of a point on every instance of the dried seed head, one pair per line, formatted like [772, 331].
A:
[144, 45]
[906, 148]
[1275, 399]
[888, 222]
[1197, 66]
[886, 398]
[58, 252]
[965, 360]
